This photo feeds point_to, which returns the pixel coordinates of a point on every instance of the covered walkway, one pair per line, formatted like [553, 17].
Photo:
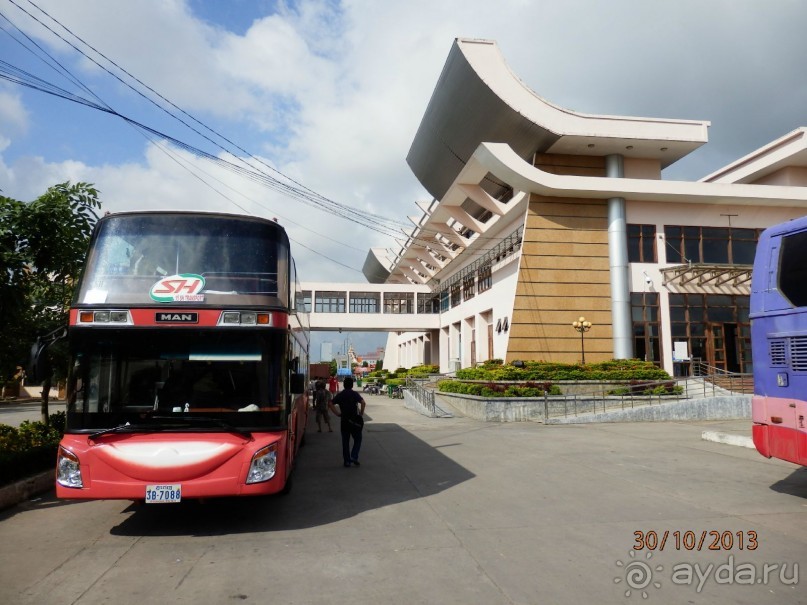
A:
[370, 307]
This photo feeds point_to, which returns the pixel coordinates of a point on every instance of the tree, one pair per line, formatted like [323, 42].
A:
[43, 245]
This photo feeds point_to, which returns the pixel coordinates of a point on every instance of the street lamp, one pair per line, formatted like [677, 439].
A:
[582, 326]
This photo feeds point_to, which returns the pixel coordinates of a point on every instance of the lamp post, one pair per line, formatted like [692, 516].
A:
[582, 326]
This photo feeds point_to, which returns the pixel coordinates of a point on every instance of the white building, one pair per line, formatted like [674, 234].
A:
[541, 215]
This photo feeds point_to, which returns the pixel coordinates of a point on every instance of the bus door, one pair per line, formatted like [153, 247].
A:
[722, 347]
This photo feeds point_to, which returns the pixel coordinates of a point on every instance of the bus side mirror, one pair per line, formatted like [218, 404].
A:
[35, 370]
[38, 362]
[297, 384]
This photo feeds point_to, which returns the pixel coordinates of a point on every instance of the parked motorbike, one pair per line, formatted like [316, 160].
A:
[372, 389]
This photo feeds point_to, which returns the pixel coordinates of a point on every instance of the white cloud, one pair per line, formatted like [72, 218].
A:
[13, 115]
[332, 94]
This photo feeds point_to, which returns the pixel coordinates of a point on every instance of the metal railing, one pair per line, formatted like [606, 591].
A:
[612, 396]
[424, 395]
[638, 394]
[730, 381]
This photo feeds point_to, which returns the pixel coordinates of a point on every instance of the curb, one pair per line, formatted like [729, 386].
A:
[728, 439]
[13, 494]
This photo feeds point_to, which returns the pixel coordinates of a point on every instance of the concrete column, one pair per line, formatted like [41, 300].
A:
[618, 260]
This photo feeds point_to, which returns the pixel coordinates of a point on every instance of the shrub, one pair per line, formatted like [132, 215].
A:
[637, 387]
[29, 449]
[536, 377]
[617, 369]
[492, 389]
[423, 370]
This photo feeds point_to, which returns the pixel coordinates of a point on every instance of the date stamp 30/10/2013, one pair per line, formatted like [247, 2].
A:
[690, 540]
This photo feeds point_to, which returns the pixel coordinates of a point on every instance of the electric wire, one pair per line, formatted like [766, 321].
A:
[303, 194]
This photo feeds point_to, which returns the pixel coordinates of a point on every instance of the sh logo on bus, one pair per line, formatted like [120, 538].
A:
[184, 287]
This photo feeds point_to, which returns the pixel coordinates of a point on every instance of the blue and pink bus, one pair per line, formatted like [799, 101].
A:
[779, 342]
[189, 361]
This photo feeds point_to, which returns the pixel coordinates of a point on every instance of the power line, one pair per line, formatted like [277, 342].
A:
[291, 188]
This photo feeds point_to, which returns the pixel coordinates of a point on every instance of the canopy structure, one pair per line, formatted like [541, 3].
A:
[705, 274]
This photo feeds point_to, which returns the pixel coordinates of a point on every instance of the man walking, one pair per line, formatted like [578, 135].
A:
[321, 400]
[351, 409]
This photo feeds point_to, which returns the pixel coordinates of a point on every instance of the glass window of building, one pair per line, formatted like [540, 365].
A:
[428, 303]
[365, 302]
[646, 331]
[329, 302]
[484, 278]
[399, 302]
[715, 327]
[443, 301]
[642, 244]
[710, 245]
[468, 286]
[456, 298]
[304, 302]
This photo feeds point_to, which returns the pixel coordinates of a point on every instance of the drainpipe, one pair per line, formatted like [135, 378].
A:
[618, 261]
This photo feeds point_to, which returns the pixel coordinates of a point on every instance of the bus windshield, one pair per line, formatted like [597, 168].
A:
[237, 260]
[131, 376]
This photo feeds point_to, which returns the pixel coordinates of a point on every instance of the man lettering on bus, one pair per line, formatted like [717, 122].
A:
[351, 409]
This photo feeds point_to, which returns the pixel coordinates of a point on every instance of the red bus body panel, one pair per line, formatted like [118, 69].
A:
[780, 429]
[207, 465]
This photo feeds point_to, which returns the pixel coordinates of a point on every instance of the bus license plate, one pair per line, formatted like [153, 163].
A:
[162, 494]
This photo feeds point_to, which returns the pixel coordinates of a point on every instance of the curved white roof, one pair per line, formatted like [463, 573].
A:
[478, 99]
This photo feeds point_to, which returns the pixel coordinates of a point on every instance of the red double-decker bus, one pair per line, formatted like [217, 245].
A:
[189, 361]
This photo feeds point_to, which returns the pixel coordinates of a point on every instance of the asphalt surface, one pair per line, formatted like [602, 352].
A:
[446, 510]
[14, 412]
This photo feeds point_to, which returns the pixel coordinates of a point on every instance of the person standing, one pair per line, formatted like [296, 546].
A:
[351, 410]
[322, 399]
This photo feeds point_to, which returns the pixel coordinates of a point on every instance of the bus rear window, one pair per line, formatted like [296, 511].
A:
[793, 269]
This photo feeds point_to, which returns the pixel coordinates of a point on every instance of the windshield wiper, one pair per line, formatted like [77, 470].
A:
[121, 428]
[210, 420]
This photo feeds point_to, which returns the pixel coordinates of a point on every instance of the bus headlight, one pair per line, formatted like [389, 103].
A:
[68, 469]
[263, 465]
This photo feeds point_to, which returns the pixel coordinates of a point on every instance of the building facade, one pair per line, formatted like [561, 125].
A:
[541, 216]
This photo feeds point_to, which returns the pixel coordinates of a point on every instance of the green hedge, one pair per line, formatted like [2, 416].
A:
[29, 449]
[491, 389]
[400, 372]
[423, 370]
[536, 377]
[617, 369]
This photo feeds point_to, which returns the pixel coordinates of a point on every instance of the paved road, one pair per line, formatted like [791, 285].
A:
[13, 413]
[442, 511]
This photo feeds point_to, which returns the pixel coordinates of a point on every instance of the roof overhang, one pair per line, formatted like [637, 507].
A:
[478, 98]
[787, 151]
[504, 163]
[442, 226]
